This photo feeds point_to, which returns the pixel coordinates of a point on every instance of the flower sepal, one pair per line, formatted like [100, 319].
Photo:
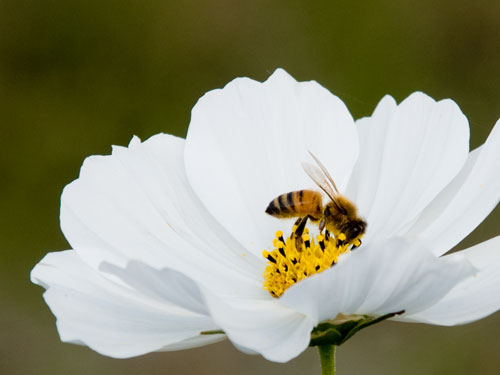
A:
[338, 331]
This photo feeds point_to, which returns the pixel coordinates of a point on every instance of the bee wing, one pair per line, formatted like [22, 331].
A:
[320, 179]
[325, 172]
[319, 174]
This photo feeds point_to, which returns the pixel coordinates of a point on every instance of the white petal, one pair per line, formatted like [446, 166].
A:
[275, 331]
[424, 147]
[137, 205]
[246, 143]
[482, 255]
[372, 133]
[381, 278]
[474, 298]
[466, 202]
[114, 320]
[194, 342]
[135, 141]
[165, 285]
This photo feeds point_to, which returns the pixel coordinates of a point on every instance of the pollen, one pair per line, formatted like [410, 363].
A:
[297, 257]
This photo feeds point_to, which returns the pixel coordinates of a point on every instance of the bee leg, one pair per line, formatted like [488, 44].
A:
[301, 226]
[322, 224]
[298, 243]
[299, 231]
[296, 224]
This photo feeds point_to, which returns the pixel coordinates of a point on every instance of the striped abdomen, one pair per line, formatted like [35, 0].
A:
[297, 203]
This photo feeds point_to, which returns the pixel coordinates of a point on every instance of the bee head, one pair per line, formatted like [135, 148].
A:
[354, 230]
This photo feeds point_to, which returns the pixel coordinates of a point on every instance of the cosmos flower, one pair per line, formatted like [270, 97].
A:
[168, 235]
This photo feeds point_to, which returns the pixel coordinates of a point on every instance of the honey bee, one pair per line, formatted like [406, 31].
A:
[339, 216]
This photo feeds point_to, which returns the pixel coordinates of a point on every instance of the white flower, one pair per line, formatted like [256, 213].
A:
[167, 235]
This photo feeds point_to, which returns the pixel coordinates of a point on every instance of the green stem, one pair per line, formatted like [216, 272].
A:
[327, 356]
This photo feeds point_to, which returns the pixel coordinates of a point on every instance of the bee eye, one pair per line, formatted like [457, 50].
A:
[355, 230]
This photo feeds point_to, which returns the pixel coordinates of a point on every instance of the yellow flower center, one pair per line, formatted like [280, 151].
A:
[294, 259]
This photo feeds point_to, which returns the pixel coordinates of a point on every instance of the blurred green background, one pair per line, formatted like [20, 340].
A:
[78, 76]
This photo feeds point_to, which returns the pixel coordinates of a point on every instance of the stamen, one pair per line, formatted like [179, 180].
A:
[288, 264]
